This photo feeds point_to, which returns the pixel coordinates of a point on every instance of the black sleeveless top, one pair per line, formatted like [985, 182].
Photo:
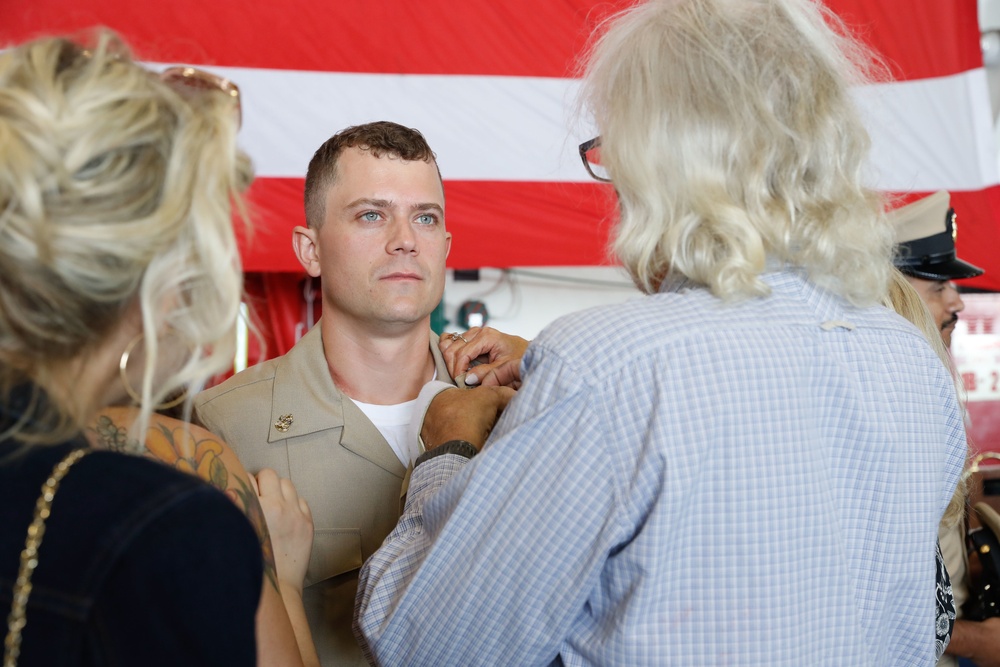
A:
[140, 564]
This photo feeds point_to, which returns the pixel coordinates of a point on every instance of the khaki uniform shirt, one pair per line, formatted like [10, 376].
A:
[338, 461]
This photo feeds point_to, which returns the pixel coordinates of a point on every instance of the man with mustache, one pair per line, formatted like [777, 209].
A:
[332, 414]
[925, 233]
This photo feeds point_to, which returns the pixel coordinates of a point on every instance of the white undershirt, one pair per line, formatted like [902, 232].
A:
[393, 422]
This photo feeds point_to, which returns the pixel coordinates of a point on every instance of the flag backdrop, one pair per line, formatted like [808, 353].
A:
[492, 85]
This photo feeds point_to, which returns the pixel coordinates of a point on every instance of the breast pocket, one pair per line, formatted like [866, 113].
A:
[334, 552]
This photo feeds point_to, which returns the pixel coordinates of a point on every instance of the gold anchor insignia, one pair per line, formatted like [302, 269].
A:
[954, 226]
[283, 423]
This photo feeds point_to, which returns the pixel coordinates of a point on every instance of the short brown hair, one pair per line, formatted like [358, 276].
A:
[379, 138]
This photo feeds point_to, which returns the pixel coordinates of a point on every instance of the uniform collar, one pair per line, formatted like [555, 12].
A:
[303, 387]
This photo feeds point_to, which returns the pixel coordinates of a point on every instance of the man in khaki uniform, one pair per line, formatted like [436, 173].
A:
[333, 413]
[925, 237]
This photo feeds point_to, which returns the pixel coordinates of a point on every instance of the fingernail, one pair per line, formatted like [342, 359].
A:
[471, 379]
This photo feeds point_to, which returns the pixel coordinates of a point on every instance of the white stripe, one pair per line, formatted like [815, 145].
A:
[931, 134]
[927, 134]
[481, 127]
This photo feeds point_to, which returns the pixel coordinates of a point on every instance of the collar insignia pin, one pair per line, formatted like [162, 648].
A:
[284, 422]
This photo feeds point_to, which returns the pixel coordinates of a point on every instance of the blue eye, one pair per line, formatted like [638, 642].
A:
[426, 219]
[370, 216]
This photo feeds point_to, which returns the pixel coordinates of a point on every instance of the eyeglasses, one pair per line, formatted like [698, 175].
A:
[187, 79]
[590, 153]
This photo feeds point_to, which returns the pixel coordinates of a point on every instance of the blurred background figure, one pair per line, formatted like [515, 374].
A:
[925, 232]
[925, 254]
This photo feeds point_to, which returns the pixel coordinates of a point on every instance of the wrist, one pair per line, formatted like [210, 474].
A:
[459, 447]
[289, 588]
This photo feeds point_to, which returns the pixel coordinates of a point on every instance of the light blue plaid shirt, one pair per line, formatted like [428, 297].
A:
[683, 482]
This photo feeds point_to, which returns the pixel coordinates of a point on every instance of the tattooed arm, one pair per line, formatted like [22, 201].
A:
[283, 636]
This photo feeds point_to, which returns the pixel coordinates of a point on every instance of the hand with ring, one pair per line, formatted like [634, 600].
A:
[484, 356]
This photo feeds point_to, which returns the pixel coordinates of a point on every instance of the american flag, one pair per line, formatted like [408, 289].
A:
[493, 87]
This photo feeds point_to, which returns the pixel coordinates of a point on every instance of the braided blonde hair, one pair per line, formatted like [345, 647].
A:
[115, 192]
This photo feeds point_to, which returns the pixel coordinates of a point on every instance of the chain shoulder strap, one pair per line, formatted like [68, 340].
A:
[29, 557]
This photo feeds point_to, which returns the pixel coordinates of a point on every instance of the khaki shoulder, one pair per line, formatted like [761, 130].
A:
[233, 408]
[241, 382]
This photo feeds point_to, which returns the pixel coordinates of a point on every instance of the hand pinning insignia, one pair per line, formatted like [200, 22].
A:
[283, 423]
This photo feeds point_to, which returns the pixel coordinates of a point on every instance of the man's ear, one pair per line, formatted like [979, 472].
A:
[447, 250]
[304, 242]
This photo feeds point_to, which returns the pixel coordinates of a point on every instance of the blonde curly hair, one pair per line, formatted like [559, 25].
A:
[116, 192]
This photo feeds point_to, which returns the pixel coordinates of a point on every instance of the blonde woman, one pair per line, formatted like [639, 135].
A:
[119, 280]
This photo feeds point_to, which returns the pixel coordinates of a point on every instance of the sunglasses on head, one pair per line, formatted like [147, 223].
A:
[187, 80]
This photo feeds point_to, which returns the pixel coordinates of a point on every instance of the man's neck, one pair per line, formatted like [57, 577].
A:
[381, 367]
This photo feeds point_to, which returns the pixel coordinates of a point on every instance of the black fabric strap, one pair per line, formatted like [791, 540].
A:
[460, 447]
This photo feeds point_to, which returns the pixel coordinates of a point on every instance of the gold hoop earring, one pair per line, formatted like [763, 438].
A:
[123, 365]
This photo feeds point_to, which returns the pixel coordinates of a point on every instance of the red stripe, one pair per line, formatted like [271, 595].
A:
[918, 38]
[498, 224]
[504, 224]
[514, 37]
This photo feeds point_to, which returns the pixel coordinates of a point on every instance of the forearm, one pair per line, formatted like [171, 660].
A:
[278, 643]
[292, 599]
[978, 641]
[384, 576]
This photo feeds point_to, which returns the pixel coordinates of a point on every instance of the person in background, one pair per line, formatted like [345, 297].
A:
[903, 299]
[745, 467]
[333, 413]
[925, 233]
[925, 236]
[116, 193]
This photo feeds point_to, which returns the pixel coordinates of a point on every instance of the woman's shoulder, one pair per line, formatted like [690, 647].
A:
[151, 532]
[185, 448]
[141, 495]
[138, 491]
[109, 504]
